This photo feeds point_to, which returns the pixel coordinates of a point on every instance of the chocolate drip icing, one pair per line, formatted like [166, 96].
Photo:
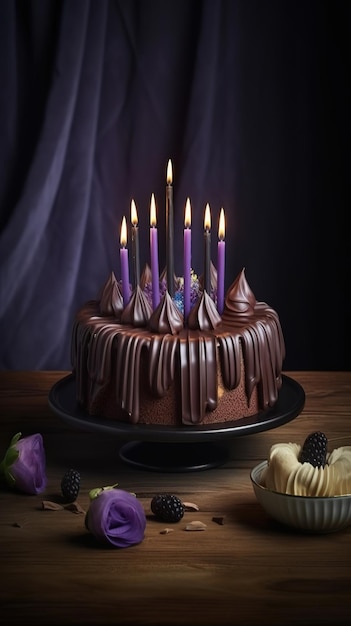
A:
[111, 300]
[161, 363]
[230, 359]
[258, 329]
[129, 349]
[138, 310]
[204, 315]
[166, 318]
[91, 353]
[198, 375]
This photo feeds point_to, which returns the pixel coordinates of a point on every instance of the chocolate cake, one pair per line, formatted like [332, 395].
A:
[143, 366]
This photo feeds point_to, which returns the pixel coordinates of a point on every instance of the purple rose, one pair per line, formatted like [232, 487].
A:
[116, 517]
[24, 464]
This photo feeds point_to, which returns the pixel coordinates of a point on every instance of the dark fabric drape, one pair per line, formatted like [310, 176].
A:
[249, 98]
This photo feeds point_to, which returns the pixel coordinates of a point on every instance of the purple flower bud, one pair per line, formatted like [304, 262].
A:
[116, 517]
[24, 464]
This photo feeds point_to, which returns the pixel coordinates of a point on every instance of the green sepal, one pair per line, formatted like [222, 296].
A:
[15, 438]
[11, 455]
[5, 472]
[94, 493]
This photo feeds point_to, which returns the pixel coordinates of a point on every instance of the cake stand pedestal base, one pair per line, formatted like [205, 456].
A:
[172, 457]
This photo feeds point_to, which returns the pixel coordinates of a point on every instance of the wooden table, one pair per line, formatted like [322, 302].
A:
[249, 571]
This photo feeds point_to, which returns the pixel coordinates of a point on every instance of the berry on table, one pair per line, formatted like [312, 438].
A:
[314, 449]
[70, 485]
[167, 507]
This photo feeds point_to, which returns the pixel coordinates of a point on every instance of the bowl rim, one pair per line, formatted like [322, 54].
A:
[260, 466]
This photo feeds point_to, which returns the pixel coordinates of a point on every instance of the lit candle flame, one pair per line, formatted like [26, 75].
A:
[124, 232]
[221, 227]
[187, 219]
[133, 214]
[152, 211]
[169, 173]
[207, 220]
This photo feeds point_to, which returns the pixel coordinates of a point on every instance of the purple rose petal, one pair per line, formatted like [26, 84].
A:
[24, 464]
[117, 517]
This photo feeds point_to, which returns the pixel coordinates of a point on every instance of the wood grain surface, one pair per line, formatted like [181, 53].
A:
[249, 570]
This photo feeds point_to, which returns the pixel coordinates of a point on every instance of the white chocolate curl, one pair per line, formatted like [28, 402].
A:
[286, 474]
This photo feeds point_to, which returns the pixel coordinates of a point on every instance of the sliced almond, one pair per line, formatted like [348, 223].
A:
[47, 505]
[190, 506]
[195, 525]
[74, 507]
[165, 531]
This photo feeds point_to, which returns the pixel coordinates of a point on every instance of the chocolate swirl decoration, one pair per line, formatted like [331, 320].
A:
[111, 300]
[138, 310]
[240, 302]
[166, 318]
[204, 315]
[145, 278]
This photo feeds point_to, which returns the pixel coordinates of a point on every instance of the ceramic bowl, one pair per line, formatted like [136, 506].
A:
[309, 514]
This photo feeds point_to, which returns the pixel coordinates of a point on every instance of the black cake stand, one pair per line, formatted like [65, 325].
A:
[175, 449]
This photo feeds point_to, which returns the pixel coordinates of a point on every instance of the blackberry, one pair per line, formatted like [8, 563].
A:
[70, 484]
[167, 507]
[314, 449]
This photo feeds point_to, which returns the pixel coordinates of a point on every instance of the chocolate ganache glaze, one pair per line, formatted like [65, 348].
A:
[258, 329]
[123, 352]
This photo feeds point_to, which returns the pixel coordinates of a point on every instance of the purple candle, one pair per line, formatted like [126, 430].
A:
[220, 263]
[187, 258]
[207, 240]
[124, 263]
[155, 275]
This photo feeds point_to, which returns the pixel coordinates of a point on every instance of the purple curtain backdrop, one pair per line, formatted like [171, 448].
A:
[251, 101]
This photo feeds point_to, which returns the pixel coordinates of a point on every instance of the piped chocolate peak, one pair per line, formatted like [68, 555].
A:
[138, 310]
[111, 300]
[204, 315]
[240, 302]
[166, 318]
[146, 277]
